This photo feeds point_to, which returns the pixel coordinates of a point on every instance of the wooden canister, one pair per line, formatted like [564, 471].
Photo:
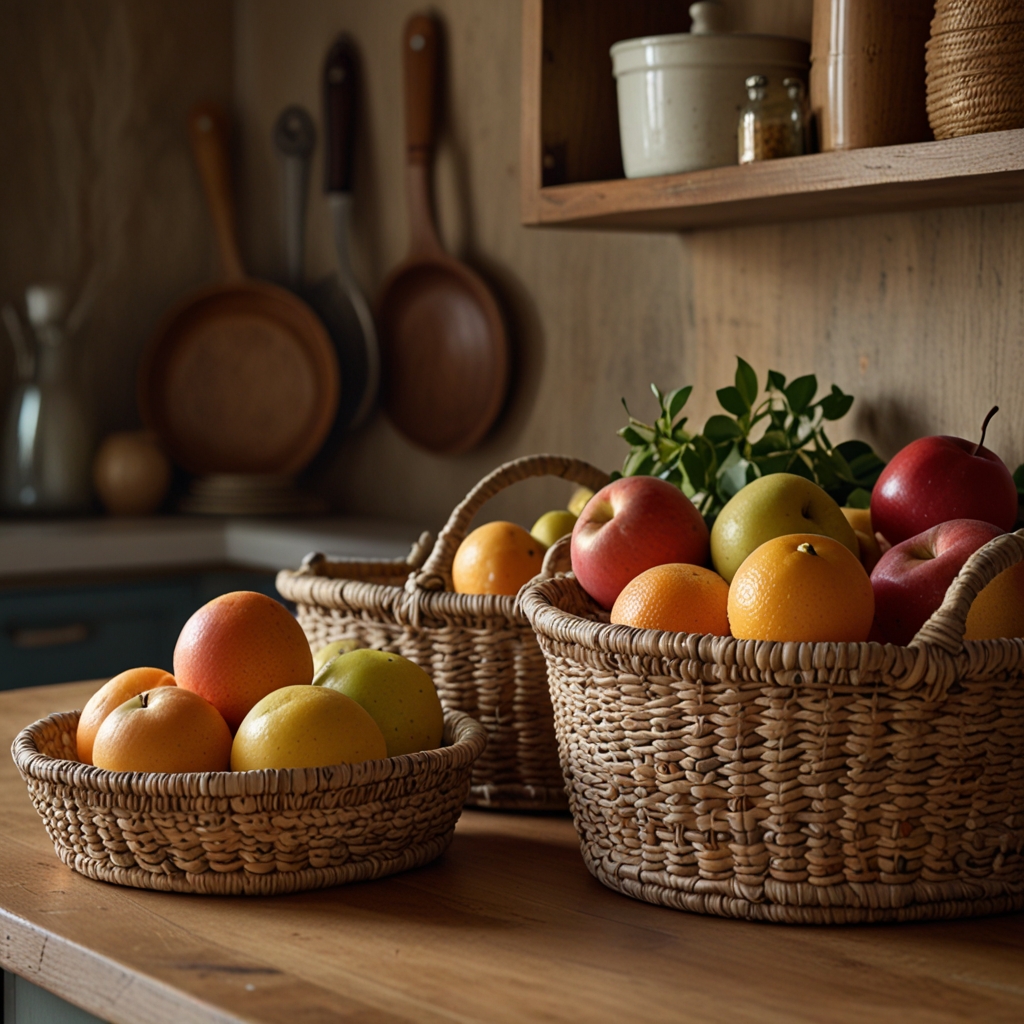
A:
[867, 72]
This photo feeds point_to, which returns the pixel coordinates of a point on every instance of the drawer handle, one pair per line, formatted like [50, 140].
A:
[50, 636]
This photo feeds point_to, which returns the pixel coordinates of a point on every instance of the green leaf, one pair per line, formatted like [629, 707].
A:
[696, 472]
[658, 395]
[858, 498]
[732, 401]
[851, 449]
[800, 465]
[771, 441]
[1018, 478]
[614, 475]
[836, 405]
[632, 435]
[800, 393]
[776, 463]
[746, 382]
[639, 462]
[677, 399]
[776, 381]
[732, 480]
[721, 428]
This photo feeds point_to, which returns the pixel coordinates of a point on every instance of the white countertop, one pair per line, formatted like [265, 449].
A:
[29, 548]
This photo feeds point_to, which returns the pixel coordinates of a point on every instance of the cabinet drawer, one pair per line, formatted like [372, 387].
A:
[59, 634]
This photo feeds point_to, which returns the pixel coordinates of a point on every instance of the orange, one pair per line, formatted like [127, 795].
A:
[999, 609]
[496, 558]
[164, 730]
[867, 542]
[112, 693]
[238, 648]
[677, 597]
[801, 587]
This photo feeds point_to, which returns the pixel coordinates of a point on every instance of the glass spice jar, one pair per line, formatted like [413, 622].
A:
[770, 128]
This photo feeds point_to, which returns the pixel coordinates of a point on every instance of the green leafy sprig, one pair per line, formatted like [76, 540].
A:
[783, 432]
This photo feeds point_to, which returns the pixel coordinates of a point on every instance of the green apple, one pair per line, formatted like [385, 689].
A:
[774, 506]
[553, 526]
[397, 693]
[579, 499]
[331, 651]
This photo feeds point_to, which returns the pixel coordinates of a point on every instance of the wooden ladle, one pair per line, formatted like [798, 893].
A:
[443, 342]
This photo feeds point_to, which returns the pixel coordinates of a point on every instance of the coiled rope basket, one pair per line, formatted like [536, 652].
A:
[975, 65]
[794, 782]
[247, 833]
[479, 649]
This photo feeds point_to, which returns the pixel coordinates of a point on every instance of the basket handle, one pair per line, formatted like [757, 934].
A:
[436, 573]
[948, 622]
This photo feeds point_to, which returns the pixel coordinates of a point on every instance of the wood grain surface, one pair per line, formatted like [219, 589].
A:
[506, 926]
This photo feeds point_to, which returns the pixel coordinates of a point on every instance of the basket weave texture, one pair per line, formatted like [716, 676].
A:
[479, 649]
[975, 67]
[794, 782]
[247, 833]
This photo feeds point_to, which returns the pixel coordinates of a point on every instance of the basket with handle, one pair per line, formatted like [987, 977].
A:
[255, 833]
[794, 782]
[480, 650]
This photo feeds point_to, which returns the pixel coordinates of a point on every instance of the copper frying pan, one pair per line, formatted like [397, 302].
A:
[241, 376]
[443, 344]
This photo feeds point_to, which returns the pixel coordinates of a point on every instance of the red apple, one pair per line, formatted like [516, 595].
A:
[935, 479]
[911, 578]
[630, 526]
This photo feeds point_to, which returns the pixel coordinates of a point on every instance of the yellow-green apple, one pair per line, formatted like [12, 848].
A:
[398, 694]
[912, 577]
[166, 729]
[773, 506]
[331, 651]
[935, 479]
[553, 526]
[629, 526]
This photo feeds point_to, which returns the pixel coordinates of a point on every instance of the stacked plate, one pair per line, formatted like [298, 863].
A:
[249, 494]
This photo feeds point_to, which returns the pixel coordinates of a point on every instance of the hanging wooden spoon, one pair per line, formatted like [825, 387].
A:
[443, 341]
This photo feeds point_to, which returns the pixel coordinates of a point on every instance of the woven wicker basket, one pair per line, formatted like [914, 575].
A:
[479, 650]
[804, 783]
[975, 65]
[247, 833]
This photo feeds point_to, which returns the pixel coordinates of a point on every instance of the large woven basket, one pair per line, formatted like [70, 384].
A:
[975, 65]
[247, 833]
[479, 649]
[794, 782]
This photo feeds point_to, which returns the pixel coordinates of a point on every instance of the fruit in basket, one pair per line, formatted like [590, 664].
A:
[553, 526]
[998, 611]
[677, 597]
[867, 543]
[912, 577]
[238, 648]
[937, 479]
[397, 693]
[775, 506]
[331, 651]
[305, 727]
[496, 558]
[166, 729]
[110, 695]
[801, 587]
[634, 524]
[579, 500]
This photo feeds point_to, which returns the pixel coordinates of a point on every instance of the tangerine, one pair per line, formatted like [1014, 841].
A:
[998, 611]
[238, 648]
[110, 695]
[677, 597]
[496, 558]
[801, 587]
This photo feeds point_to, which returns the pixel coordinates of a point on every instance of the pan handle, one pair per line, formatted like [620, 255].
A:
[208, 132]
[340, 85]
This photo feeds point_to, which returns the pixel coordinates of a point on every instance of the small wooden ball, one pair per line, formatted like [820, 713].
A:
[131, 473]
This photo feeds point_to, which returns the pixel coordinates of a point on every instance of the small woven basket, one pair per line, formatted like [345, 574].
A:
[975, 66]
[794, 782]
[479, 649]
[247, 833]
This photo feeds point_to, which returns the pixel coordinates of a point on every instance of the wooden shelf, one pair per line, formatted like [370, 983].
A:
[570, 137]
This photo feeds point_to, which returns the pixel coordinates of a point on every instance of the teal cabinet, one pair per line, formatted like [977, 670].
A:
[88, 631]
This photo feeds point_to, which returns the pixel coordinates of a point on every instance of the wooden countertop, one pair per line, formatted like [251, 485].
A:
[506, 926]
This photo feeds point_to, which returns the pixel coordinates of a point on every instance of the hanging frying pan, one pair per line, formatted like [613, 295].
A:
[241, 376]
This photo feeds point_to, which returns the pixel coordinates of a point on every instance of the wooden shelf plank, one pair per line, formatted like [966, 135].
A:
[967, 171]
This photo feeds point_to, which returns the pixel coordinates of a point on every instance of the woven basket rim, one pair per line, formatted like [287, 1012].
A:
[466, 739]
[939, 640]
